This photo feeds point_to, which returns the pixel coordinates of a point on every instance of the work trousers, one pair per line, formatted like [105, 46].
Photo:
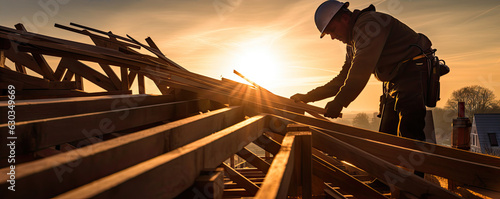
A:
[403, 110]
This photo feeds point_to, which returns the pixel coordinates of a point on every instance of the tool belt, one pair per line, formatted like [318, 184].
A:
[434, 69]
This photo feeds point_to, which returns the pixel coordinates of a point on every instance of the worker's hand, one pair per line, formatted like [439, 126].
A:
[298, 98]
[333, 109]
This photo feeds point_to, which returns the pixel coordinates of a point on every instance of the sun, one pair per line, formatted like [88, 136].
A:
[260, 64]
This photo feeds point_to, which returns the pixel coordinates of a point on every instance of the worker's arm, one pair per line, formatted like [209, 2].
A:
[369, 39]
[331, 88]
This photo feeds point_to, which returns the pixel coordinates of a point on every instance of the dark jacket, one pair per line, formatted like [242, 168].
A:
[378, 43]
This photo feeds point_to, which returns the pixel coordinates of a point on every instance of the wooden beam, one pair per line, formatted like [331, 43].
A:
[98, 37]
[241, 180]
[142, 87]
[210, 184]
[50, 94]
[153, 45]
[421, 156]
[107, 69]
[303, 158]
[324, 167]
[58, 74]
[88, 73]
[68, 76]
[333, 193]
[383, 170]
[60, 173]
[268, 144]
[23, 59]
[125, 80]
[387, 138]
[131, 78]
[254, 160]
[463, 171]
[276, 183]
[30, 82]
[79, 81]
[2, 59]
[20, 68]
[157, 178]
[27, 110]
[47, 72]
[38, 134]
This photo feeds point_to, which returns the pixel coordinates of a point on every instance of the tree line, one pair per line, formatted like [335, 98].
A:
[477, 100]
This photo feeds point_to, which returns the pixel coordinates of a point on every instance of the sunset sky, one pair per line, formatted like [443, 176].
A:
[276, 43]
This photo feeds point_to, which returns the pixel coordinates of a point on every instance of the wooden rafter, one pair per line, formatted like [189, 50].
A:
[124, 151]
[152, 178]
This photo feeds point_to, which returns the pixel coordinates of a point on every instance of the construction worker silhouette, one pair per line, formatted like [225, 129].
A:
[378, 44]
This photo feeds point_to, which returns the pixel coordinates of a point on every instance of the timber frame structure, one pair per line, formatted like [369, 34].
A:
[182, 144]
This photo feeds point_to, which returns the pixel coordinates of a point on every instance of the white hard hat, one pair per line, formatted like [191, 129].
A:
[325, 12]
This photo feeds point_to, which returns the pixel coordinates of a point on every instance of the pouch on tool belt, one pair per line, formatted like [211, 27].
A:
[437, 69]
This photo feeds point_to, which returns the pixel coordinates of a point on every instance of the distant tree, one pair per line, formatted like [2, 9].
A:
[361, 120]
[477, 100]
[375, 122]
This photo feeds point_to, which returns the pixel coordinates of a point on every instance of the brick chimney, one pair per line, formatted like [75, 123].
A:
[461, 129]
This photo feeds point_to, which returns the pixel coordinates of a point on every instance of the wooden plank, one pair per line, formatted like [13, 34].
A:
[102, 32]
[394, 176]
[58, 74]
[50, 94]
[324, 167]
[47, 72]
[254, 160]
[88, 73]
[125, 80]
[152, 44]
[25, 79]
[68, 76]
[241, 180]
[217, 93]
[387, 138]
[142, 87]
[23, 59]
[20, 68]
[268, 144]
[107, 69]
[426, 157]
[27, 110]
[425, 161]
[85, 32]
[60, 173]
[131, 78]
[30, 82]
[38, 134]
[2, 59]
[79, 81]
[210, 184]
[303, 158]
[160, 176]
[306, 164]
[64, 48]
[277, 179]
[333, 193]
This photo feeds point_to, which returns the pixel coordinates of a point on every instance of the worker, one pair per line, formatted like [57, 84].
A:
[378, 44]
